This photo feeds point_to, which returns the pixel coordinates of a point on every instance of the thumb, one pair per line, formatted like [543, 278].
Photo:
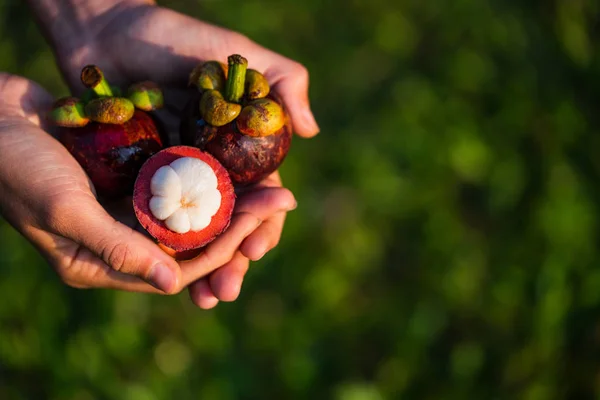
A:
[122, 248]
[293, 89]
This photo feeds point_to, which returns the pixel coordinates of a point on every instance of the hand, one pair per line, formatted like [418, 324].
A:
[142, 41]
[47, 197]
[149, 42]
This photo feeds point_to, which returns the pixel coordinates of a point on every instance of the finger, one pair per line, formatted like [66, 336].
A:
[265, 202]
[293, 89]
[202, 295]
[270, 205]
[273, 180]
[86, 271]
[221, 250]
[265, 238]
[226, 282]
[79, 267]
[118, 246]
[24, 98]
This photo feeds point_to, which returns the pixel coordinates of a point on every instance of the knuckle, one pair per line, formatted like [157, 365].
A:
[175, 290]
[210, 256]
[237, 39]
[69, 270]
[217, 257]
[246, 223]
[300, 71]
[65, 274]
[75, 285]
[118, 256]
[69, 277]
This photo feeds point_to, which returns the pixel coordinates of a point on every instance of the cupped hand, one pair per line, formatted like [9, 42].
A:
[47, 197]
[134, 42]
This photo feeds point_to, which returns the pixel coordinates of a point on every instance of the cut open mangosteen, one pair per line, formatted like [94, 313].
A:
[184, 198]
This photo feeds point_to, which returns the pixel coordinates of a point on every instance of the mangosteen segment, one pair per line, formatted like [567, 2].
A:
[185, 195]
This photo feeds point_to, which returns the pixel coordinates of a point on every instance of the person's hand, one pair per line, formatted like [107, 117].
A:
[47, 197]
[134, 40]
[138, 42]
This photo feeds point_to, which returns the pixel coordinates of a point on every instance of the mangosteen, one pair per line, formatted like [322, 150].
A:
[184, 198]
[235, 117]
[109, 135]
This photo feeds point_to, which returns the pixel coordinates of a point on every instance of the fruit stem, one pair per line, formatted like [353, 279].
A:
[234, 87]
[93, 78]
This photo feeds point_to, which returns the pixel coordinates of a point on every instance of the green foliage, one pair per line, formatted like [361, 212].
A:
[445, 244]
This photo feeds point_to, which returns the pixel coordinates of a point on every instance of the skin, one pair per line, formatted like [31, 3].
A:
[113, 255]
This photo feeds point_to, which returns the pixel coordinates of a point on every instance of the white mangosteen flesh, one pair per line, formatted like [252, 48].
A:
[185, 195]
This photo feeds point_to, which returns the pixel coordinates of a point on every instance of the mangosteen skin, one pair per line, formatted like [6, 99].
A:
[113, 154]
[247, 159]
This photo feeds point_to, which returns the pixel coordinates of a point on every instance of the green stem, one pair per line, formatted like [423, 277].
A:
[236, 77]
[93, 78]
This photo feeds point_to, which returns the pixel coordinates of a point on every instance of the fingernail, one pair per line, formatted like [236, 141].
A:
[161, 277]
[309, 120]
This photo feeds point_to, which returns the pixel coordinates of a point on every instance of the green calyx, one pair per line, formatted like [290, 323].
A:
[257, 86]
[210, 75]
[110, 110]
[237, 92]
[146, 96]
[261, 117]
[104, 103]
[215, 110]
[68, 112]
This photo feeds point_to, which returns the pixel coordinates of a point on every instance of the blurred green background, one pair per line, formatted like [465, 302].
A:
[446, 240]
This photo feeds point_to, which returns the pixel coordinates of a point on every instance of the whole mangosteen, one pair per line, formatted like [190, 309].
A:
[109, 135]
[235, 118]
